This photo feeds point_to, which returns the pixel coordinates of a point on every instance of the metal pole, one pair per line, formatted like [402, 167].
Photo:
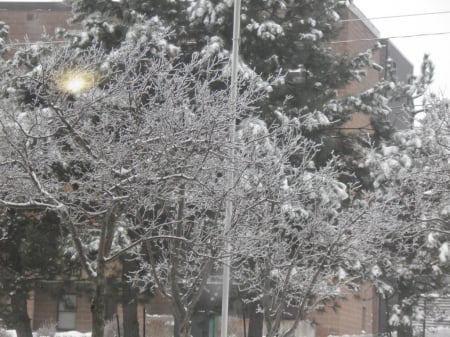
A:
[144, 314]
[424, 323]
[118, 325]
[230, 173]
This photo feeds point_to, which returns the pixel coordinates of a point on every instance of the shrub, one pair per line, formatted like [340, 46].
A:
[48, 329]
[111, 329]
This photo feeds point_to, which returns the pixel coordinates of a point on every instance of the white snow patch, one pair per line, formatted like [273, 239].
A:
[444, 252]
[445, 212]
[376, 271]
[269, 30]
[13, 333]
[342, 274]
[389, 150]
[431, 241]
[73, 334]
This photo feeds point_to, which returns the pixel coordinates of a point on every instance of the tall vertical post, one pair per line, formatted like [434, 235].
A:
[144, 316]
[424, 323]
[230, 171]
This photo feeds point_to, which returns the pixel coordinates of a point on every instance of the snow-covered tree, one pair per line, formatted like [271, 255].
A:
[303, 237]
[143, 147]
[4, 33]
[117, 141]
[30, 253]
[409, 172]
[277, 36]
[122, 141]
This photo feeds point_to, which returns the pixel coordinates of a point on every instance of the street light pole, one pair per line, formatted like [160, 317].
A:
[230, 172]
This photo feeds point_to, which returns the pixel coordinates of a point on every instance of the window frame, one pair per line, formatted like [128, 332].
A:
[64, 309]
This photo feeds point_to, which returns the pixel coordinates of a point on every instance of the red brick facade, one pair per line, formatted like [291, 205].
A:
[355, 314]
[351, 32]
[29, 21]
[43, 308]
[355, 32]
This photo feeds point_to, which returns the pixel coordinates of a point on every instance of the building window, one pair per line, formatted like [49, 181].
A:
[67, 312]
[212, 326]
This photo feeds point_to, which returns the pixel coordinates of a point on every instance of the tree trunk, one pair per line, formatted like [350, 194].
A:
[404, 331]
[180, 328]
[404, 295]
[98, 303]
[176, 326]
[129, 301]
[130, 318]
[256, 321]
[19, 312]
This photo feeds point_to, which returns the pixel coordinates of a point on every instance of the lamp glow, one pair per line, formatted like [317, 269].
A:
[76, 81]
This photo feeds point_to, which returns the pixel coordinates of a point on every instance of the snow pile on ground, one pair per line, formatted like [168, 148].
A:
[72, 334]
[12, 333]
[438, 332]
[394, 334]
[365, 335]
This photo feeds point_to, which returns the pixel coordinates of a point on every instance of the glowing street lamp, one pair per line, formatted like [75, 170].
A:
[76, 81]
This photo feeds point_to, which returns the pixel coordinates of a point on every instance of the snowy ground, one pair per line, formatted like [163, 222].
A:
[12, 333]
[438, 332]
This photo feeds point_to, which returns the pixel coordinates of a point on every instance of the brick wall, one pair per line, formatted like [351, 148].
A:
[357, 30]
[158, 305]
[351, 31]
[356, 312]
[84, 317]
[360, 30]
[32, 20]
[45, 306]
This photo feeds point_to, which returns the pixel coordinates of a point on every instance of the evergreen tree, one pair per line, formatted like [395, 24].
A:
[407, 172]
[287, 37]
[29, 253]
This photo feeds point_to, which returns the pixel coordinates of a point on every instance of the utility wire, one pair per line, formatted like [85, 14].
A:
[34, 42]
[394, 16]
[330, 42]
[390, 37]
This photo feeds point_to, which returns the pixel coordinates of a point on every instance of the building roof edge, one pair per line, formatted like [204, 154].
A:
[397, 49]
[355, 10]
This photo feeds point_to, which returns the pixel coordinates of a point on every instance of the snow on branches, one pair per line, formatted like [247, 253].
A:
[409, 174]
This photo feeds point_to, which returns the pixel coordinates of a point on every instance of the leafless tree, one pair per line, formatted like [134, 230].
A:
[303, 234]
[137, 143]
[133, 158]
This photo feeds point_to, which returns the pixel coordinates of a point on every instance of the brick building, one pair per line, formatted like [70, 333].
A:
[357, 36]
[31, 20]
[69, 304]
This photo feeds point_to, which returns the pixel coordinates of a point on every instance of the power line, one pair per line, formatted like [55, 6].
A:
[394, 16]
[389, 37]
[331, 42]
[34, 42]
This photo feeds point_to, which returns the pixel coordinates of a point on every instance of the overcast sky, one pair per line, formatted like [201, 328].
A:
[413, 48]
